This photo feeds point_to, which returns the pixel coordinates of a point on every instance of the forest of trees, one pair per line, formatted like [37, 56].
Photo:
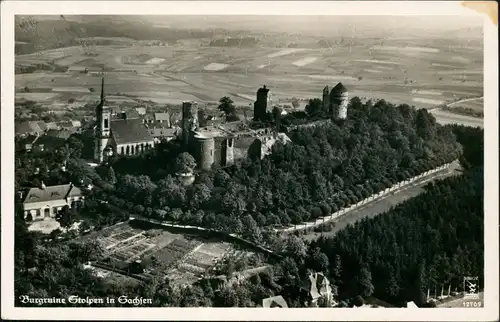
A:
[425, 242]
[325, 168]
[431, 241]
[34, 35]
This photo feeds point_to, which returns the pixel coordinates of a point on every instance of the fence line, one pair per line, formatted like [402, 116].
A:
[376, 196]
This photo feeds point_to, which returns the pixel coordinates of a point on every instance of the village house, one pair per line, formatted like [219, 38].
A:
[317, 290]
[44, 202]
[167, 134]
[163, 118]
[30, 128]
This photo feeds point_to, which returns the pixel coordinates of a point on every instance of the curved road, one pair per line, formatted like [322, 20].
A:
[446, 117]
[374, 199]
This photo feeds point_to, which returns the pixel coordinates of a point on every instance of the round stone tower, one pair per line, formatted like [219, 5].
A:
[189, 120]
[339, 98]
[203, 150]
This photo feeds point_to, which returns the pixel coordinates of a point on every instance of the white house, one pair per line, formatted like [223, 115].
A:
[45, 202]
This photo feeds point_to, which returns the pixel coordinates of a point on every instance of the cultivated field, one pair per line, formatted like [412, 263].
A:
[184, 259]
[403, 71]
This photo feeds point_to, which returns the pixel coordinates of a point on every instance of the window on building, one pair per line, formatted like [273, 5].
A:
[122, 150]
[106, 123]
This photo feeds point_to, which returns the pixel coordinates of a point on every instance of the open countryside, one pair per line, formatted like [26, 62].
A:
[242, 167]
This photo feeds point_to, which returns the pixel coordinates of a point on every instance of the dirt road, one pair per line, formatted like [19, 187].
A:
[384, 204]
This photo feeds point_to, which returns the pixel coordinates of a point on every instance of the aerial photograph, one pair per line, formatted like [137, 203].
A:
[249, 161]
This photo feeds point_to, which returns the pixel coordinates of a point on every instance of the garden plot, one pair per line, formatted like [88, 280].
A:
[198, 262]
[175, 251]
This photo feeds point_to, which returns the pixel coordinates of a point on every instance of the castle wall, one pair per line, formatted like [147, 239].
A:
[227, 152]
[189, 120]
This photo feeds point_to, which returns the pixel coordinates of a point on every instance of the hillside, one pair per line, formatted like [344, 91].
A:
[33, 35]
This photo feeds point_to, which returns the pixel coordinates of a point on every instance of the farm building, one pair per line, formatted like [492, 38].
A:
[123, 136]
[44, 202]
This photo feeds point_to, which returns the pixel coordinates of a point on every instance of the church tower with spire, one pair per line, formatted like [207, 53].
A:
[103, 127]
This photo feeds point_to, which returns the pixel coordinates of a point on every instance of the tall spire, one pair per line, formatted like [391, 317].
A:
[102, 89]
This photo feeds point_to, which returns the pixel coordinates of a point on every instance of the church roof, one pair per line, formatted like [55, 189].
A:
[130, 131]
[339, 88]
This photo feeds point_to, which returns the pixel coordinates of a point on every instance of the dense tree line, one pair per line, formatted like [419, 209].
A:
[432, 240]
[325, 168]
[33, 35]
[429, 242]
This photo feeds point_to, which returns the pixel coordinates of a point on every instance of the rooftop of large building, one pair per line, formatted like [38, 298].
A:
[52, 193]
[130, 131]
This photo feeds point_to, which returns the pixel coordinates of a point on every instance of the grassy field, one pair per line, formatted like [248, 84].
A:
[412, 73]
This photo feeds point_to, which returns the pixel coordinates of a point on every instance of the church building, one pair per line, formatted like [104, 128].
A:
[118, 136]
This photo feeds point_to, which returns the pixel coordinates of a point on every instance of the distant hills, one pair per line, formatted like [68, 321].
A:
[36, 33]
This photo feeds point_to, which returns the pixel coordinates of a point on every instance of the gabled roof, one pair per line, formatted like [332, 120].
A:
[411, 305]
[339, 88]
[162, 116]
[27, 127]
[275, 302]
[317, 285]
[49, 141]
[60, 134]
[66, 124]
[166, 132]
[42, 125]
[52, 193]
[130, 131]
